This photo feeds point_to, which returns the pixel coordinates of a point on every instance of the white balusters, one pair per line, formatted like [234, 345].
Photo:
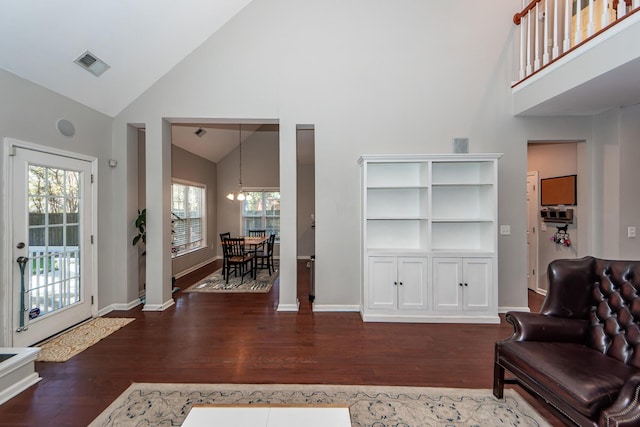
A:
[522, 45]
[577, 38]
[591, 26]
[551, 29]
[635, 4]
[566, 45]
[556, 34]
[622, 8]
[545, 39]
[536, 59]
[528, 18]
[604, 18]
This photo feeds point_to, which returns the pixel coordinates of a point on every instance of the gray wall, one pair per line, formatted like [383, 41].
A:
[394, 80]
[29, 113]
[306, 208]
[369, 85]
[260, 169]
[187, 166]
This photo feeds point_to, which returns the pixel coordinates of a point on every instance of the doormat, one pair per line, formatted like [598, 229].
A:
[63, 347]
[216, 283]
[169, 404]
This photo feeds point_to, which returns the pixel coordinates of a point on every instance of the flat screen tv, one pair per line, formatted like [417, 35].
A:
[560, 190]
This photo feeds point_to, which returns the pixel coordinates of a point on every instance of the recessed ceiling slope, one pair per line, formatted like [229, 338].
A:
[141, 40]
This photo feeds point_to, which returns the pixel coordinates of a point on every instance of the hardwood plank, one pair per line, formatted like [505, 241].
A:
[241, 338]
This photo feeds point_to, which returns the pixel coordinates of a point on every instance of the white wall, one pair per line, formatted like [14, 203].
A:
[29, 113]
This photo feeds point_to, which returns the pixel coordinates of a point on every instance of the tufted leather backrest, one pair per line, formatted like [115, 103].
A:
[605, 293]
[614, 313]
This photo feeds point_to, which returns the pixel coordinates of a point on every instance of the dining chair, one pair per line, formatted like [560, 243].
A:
[237, 258]
[267, 256]
[223, 236]
[258, 233]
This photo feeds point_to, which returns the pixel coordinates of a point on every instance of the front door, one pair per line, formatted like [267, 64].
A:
[51, 211]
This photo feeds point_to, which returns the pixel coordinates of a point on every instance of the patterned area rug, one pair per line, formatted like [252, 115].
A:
[215, 283]
[65, 346]
[168, 404]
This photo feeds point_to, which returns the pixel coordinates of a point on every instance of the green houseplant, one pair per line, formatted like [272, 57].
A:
[141, 226]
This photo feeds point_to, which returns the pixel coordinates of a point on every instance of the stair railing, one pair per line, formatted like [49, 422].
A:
[549, 29]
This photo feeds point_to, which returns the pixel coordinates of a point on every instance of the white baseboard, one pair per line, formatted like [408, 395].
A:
[335, 308]
[158, 307]
[119, 307]
[18, 387]
[505, 309]
[289, 307]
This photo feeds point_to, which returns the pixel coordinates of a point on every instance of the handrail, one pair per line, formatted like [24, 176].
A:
[517, 18]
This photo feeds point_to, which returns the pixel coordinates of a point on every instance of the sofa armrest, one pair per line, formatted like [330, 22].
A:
[540, 327]
[625, 411]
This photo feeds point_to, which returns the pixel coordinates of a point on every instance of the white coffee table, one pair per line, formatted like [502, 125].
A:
[268, 416]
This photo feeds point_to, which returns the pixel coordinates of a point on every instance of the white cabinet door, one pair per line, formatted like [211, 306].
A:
[477, 275]
[447, 284]
[382, 283]
[462, 283]
[397, 283]
[412, 280]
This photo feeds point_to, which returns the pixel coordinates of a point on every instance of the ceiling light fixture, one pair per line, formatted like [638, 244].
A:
[240, 196]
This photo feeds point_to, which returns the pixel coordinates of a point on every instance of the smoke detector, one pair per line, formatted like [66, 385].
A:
[92, 63]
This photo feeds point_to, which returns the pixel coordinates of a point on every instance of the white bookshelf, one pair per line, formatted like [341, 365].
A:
[427, 209]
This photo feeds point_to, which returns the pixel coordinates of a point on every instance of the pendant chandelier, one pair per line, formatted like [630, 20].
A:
[240, 195]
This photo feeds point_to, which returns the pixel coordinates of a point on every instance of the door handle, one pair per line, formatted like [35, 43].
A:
[22, 262]
[20, 245]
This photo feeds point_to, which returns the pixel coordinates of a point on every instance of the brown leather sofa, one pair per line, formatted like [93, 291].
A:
[581, 353]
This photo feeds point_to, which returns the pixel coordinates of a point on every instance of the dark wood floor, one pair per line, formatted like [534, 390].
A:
[240, 338]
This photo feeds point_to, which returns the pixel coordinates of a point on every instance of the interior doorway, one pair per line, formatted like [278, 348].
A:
[532, 230]
[550, 159]
[305, 173]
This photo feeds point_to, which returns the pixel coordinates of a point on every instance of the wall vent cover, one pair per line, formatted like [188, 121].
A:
[92, 63]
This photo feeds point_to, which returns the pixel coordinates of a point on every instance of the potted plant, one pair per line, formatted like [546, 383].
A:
[141, 226]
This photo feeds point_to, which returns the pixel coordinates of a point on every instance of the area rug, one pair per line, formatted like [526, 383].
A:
[216, 283]
[63, 347]
[144, 404]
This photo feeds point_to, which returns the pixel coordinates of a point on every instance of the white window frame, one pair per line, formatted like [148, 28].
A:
[264, 217]
[203, 218]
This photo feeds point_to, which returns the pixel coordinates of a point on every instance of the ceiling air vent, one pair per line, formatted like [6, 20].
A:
[92, 63]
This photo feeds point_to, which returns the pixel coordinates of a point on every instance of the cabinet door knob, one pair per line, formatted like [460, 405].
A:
[400, 283]
[466, 284]
[460, 284]
[395, 283]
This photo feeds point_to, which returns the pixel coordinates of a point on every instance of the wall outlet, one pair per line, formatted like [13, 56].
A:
[505, 230]
[631, 232]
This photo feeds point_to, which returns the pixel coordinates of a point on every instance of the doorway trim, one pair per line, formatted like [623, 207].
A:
[6, 299]
[533, 223]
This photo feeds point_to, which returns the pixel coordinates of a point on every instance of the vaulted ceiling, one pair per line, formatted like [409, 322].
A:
[140, 40]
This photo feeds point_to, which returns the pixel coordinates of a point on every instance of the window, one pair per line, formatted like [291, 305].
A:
[261, 211]
[188, 229]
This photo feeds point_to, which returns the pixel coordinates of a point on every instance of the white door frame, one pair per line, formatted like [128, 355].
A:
[533, 222]
[6, 290]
